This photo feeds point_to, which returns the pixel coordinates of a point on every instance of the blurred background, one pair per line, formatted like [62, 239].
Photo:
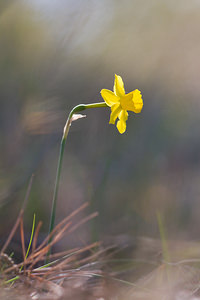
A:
[57, 54]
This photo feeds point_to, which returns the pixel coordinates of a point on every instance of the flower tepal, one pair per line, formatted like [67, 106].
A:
[120, 103]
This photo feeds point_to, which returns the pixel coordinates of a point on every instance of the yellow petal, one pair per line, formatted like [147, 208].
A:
[123, 115]
[115, 111]
[109, 97]
[119, 86]
[137, 100]
[121, 124]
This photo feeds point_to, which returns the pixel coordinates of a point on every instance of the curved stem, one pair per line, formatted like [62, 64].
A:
[76, 109]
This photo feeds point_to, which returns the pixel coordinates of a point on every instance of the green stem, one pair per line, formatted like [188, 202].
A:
[76, 109]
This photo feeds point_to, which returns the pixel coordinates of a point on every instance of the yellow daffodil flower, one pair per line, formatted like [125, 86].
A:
[120, 103]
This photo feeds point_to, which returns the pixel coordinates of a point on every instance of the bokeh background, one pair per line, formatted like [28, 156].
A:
[57, 54]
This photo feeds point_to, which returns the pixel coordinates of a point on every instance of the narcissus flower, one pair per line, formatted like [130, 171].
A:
[120, 103]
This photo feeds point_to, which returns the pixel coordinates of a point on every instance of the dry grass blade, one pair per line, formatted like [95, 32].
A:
[64, 227]
[40, 255]
[42, 252]
[63, 267]
[93, 215]
[36, 236]
[73, 256]
[63, 253]
[22, 238]
[57, 228]
[19, 217]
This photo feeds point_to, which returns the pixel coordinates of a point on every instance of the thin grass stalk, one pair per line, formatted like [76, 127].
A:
[31, 238]
[165, 250]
